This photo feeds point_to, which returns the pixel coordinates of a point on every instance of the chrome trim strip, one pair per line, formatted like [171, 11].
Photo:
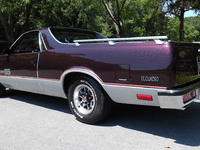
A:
[37, 71]
[38, 60]
[89, 72]
[81, 70]
[41, 41]
[123, 39]
[120, 93]
[110, 40]
[179, 91]
[21, 36]
[16, 41]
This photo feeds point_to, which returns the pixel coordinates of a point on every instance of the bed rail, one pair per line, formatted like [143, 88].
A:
[110, 41]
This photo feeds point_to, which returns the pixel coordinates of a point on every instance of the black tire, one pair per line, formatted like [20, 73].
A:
[2, 90]
[88, 101]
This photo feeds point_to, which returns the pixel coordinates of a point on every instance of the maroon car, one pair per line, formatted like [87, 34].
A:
[92, 71]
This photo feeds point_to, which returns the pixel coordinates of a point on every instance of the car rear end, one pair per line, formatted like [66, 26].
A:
[186, 79]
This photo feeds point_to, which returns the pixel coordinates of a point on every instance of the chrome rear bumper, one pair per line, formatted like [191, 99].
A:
[173, 98]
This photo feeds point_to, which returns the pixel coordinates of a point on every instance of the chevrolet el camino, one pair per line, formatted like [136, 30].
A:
[93, 71]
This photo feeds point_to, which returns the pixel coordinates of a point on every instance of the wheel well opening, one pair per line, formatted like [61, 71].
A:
[70, 78]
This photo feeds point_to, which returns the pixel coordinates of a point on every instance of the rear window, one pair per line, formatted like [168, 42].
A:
[66, 35]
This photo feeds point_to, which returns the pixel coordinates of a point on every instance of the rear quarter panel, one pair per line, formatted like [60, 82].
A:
[121, 63]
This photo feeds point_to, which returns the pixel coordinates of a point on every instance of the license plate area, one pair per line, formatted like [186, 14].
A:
[187, 97]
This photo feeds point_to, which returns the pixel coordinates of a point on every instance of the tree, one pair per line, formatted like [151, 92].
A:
[178, 8]
[86, 14]
[19, 16]
[191, 34]
[193, 24]
[143, 18]
[134, 20]
[173, 28]
[112, 18]
[11, 12]
[7, 16]
[114, 9]
[155, 18]
[194, 21]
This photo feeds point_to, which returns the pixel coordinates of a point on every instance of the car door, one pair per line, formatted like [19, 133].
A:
[19, 65]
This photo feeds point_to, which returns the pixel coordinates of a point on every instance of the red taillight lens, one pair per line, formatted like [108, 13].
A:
[189, 96]
[145, 97]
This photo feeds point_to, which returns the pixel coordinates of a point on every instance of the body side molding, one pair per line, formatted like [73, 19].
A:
[120, 93]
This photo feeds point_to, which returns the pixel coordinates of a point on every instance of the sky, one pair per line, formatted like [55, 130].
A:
[190, 13]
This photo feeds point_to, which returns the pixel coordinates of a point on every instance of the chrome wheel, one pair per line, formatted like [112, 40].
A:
[87, 100]
[84, 99]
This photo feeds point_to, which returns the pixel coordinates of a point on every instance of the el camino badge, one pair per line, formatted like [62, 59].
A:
[6, 72]
[150, 78]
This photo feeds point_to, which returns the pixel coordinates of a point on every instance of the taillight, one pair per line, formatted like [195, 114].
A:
[144, 97]
[189, 96]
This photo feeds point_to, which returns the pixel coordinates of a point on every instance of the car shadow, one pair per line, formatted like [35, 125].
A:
[181, 126]
[50, 102]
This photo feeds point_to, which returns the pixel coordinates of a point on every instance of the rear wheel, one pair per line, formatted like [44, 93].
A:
[88, 101]
[2, 90]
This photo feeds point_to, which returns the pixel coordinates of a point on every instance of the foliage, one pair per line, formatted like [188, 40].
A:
[76, 13]
[114, 9]
[10, 11]
[144, 18]
[155, 18]
[194, 21]
[71, 13]
[191, 34]
[131, 17]
[178, 8]
[173, 28]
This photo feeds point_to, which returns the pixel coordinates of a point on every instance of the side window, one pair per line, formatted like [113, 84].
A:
[28, 43]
